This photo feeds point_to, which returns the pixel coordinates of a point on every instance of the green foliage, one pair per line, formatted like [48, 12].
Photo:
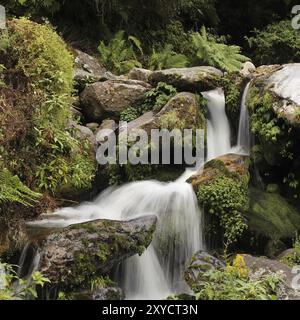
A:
[153, 100]
[226, 198]
[167, 58]
[263, 121]
[232, 84]
[293, 259]
[278, 43]
[130, 114]
[15, 288]
[210, 52]
[38, 143]
[13, 190]
[158, 97]
[119, 55]
[42, 56]
[232, 284]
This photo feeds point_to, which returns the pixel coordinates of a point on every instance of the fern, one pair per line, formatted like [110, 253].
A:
[167, 58]
[13, 190]
[209, 51]
[119, 55]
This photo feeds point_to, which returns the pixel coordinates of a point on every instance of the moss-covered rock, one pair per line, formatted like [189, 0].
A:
[222, 188]
[74, 256]
[271, 216]
[194, 79]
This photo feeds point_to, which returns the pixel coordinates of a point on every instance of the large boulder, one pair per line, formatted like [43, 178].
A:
[88, 70]
[74, 255]
[189, 79]
[181, 112]
[281, 83]
[103, 99]
[271, 220]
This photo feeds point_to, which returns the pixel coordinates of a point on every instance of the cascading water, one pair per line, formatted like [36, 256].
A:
[159, 271]
[243, 142]
[218, 128]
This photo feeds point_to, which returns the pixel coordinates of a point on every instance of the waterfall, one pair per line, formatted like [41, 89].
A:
[159, 271]
[243, 141]
[218, 128]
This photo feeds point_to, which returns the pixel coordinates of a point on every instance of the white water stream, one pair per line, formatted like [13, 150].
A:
[159, 271]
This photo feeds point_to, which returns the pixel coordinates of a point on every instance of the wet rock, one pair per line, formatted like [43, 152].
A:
[189, 79]
[92, 126]
[73, 255]
[200, 263]
[103, 99]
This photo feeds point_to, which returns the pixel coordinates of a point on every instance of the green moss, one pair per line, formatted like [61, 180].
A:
[38, 144]
[225, 198]
[233, 87]
[271, 215]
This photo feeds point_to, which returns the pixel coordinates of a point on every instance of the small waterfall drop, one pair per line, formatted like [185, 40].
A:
[243, 141]
[218, 128]
[159, 271]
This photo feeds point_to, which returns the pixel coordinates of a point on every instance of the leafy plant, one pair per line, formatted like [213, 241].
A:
[236, 282]
[15, 288]
[13, 190]
[278, 43]
[167, 58]
[158, 97]
[226, 198]
[119, 55]
[208, 51]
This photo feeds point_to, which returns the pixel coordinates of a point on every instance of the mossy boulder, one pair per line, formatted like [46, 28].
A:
[37, 143]
[222, 189]
[195, 79]
[72, 257]
[271, 216]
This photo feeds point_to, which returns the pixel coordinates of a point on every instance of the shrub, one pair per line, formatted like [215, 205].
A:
[278, 43]
[167, 58]
[14, 288]
[208, 51]
[226, 198]
[119, 55]
[37, 142]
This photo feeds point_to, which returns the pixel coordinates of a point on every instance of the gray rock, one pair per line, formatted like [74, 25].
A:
[256, 263]
[83, 133]
[103, 99]
[88, 70]
[72, 255]
[140, 74]
[189, 79]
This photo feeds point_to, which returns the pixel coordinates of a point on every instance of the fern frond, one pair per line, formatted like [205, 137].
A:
[13, 190]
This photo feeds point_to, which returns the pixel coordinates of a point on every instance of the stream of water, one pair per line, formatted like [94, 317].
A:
[159, 271]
